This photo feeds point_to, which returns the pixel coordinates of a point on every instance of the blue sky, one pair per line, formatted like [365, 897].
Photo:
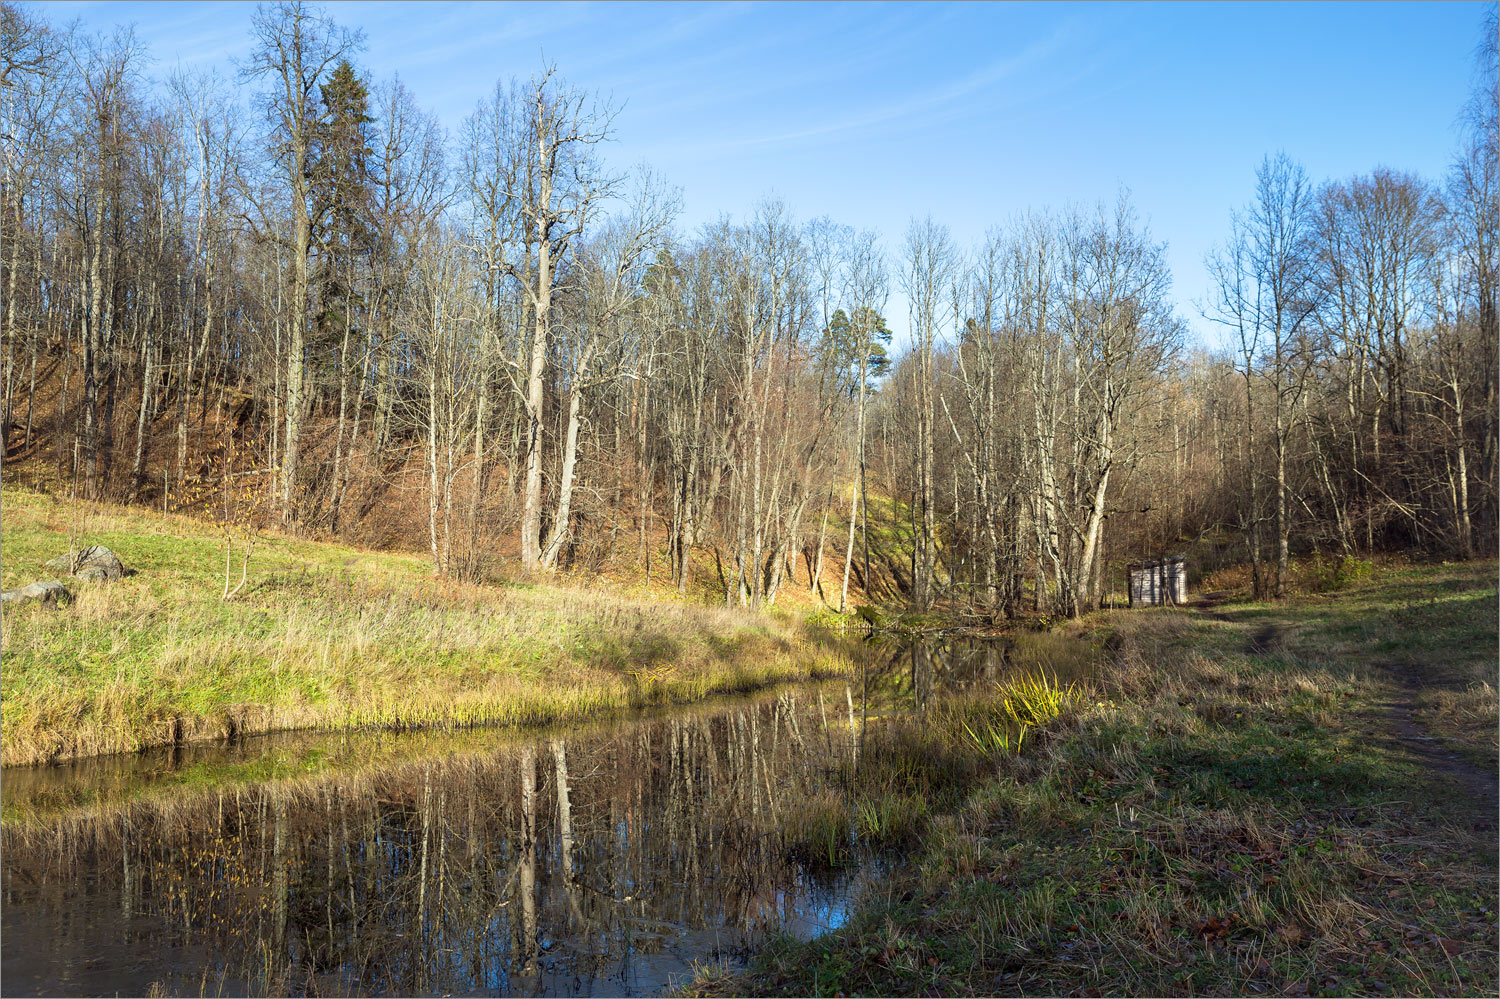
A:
[874, 114]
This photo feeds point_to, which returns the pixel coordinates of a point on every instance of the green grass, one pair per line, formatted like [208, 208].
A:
[1209, 820]
[326, 636]
[1431, 627]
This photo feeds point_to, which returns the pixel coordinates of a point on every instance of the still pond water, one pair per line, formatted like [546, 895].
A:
[606, 861]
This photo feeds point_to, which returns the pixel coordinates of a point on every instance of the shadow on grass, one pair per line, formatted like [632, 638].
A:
[1242, 767]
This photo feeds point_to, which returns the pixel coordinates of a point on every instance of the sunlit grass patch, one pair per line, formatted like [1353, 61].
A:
[332, 637]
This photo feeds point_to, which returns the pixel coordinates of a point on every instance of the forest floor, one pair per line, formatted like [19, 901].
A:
[1254, 798]
[329, 636]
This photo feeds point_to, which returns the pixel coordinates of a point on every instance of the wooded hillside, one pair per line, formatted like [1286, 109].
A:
[290, 297]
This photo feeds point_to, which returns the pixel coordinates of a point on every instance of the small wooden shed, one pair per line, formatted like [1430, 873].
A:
[1158, 582]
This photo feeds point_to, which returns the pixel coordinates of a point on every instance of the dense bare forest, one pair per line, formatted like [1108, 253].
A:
[291, 298]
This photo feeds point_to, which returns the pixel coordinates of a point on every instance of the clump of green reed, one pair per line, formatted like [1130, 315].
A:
[890, 819]
[818, 831]
[1064, 652]
[997, 725]
[1034, 699]
[995, 737]
[917, 766]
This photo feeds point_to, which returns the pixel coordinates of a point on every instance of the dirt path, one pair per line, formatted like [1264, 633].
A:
[1479, 804]
[1264, 640]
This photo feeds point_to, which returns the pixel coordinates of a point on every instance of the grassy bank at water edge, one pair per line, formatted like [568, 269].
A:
[325, 636]
[1282, 799]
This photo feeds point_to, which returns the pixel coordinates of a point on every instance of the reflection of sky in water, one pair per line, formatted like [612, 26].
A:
[815, 903]
[825, 901]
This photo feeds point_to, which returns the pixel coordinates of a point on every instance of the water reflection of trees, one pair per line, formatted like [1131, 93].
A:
[905, 672]
[564, 867]
[595, 863]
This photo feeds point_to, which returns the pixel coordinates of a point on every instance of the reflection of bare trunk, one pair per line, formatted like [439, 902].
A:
[330, 894]
[754, 746]
[422, 870]
[348, 864]
[127, 906]
[279, 878]
[564, 807]
[854, 732]
[528, 861]
[790, 700]
[565, 834]
[438, 828]
[921, 676]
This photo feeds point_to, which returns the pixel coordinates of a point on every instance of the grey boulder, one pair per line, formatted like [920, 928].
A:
[50, 592]
[94, 563]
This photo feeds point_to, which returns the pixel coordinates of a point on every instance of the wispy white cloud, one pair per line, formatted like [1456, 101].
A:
[944, 101]
[942, 98]
[466, 34]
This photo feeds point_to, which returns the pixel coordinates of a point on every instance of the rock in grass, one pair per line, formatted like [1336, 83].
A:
[50, 592]
[94, 563]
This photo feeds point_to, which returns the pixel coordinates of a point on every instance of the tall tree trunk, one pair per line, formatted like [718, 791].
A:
[295, 376]
[93, 345]
[433, 495]
[137, 469]
[480, 411]
[1253, 491]
[338, 439]
[815, 577]
[531, 497]
[859, 464]
[689, 527]
[559, 532]
[10, 329]
[1281, 516]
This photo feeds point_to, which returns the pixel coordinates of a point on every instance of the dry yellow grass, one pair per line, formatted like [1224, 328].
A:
[328, 636]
